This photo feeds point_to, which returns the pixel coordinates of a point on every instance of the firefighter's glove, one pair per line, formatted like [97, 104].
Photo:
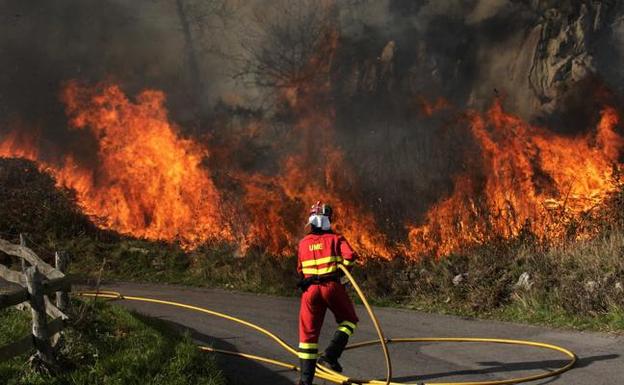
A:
[304, 284]
[344, 281]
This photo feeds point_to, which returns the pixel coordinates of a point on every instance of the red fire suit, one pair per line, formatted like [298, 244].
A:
[319, 255]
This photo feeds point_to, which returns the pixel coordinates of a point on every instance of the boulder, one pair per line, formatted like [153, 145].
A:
[524, 282]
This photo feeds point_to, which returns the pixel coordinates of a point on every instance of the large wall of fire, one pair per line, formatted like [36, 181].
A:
[425, 145]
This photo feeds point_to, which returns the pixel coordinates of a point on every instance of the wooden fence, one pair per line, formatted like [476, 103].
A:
[38, 280]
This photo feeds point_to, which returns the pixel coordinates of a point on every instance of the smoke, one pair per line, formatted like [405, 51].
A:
[398, 81]
[543, 58]
[461, 50]
[136, 44]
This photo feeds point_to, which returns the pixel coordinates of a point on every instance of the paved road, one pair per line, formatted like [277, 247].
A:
[601, 356]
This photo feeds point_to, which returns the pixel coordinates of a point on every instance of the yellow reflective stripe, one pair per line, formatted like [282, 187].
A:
[321, 261]
[306, 345]
[308, 356]
[315, 271]
[353, 326]
[347, 262]
[345, 330]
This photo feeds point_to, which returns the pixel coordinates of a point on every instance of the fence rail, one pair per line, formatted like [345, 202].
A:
[15, 297]
[38, 281]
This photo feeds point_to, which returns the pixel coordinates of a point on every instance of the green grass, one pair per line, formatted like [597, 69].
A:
[536, 313]
[13, 323]
[109, 345]
[552, 315]
[211, 266]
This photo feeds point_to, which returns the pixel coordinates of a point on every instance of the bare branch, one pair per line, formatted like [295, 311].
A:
[288, 38]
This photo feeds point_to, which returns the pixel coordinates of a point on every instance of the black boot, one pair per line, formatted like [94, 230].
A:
[334, 350]
[308, 368]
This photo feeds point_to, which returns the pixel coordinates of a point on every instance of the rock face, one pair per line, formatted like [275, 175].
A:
[532, 52]
[404, 71]
[563, 55]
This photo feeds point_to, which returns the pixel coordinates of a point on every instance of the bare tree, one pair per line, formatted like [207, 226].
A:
[289, 39]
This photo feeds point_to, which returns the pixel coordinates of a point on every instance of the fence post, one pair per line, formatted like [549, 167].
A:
[23, 243]
[61, 258]
[41, 336]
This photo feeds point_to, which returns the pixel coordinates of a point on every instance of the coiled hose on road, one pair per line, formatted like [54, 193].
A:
[338, 378]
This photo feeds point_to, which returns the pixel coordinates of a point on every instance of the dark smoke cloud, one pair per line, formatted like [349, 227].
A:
[139, 44]
[542, 57]
[462, 50]
[391, 53]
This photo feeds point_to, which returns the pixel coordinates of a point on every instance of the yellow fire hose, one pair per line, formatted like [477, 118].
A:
[338, 378]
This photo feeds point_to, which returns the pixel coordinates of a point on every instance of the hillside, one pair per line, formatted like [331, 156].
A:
[576, 284]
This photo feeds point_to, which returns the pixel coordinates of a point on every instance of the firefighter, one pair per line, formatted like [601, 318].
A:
[320, 253]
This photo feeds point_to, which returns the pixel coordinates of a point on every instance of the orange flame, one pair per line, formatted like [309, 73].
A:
[317, 171]
[429, 108]
[530, 178]
[148, 181]
[17, 144]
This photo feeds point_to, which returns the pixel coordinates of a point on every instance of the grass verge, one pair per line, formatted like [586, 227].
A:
[577, 286]
[108, 345]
